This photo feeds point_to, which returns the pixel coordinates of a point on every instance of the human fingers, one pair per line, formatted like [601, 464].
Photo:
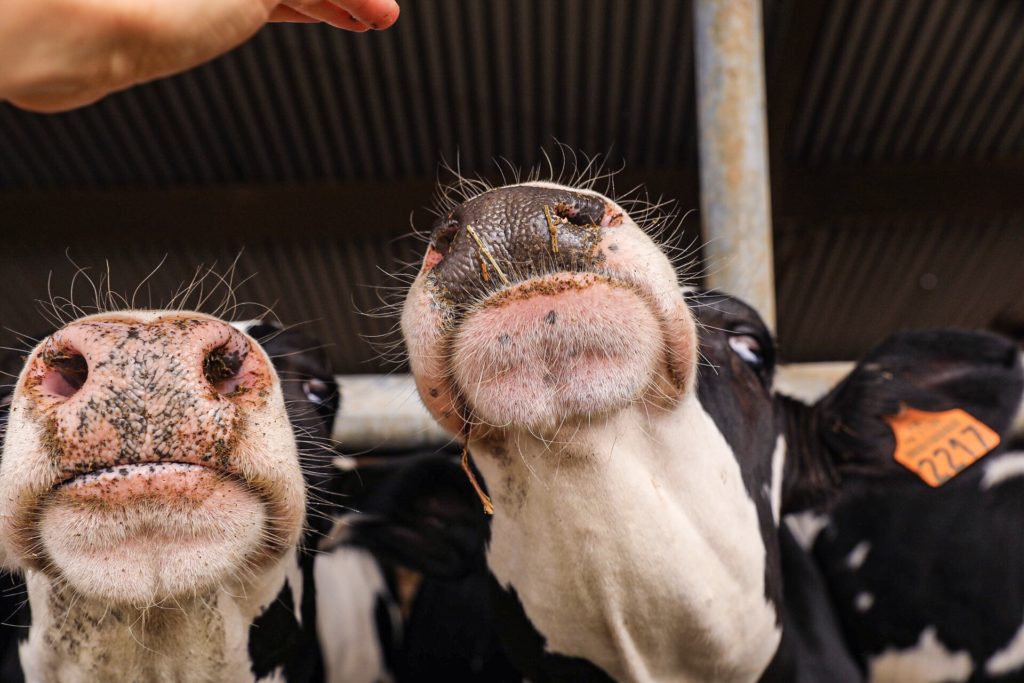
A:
[377, 14]
[328, 13]
[283, 13]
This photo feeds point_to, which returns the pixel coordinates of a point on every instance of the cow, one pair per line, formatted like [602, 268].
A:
[154, 501]
[418, 517]
[628, 442]
[425, 522]
[928, 580]
[423, 514]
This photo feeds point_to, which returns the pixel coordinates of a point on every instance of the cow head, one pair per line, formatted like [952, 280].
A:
[148, 456]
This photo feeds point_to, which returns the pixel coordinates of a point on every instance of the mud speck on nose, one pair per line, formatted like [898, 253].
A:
[550, 318]
[52, 443]
[507, 235]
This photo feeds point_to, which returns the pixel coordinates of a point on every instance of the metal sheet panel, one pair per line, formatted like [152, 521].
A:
[915, 80]
[849, 283]
[459, 80]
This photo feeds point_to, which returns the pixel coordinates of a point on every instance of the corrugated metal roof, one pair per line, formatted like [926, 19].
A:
[853, 281]
[462, 80]
[881, 85]
[915, 80]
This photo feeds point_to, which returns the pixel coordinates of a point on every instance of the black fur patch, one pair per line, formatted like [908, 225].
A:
[738, 398]
[15, 620]
[812, 648]
[277, 640]
[525, 645]
[450, 635]
[949, 558]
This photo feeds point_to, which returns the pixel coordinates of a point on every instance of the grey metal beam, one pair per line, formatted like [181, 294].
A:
[735, 205]
[384, 411]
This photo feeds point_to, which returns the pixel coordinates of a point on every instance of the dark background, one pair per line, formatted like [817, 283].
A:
[896, 136]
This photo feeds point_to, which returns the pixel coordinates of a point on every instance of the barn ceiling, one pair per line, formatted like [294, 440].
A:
[308, 156]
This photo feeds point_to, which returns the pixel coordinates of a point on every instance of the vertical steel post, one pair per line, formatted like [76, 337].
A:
[734, 197]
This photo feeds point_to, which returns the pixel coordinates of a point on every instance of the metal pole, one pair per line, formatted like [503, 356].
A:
[384, 412]
[734, 198]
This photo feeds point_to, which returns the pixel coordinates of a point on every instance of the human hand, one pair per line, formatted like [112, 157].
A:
[352, 15]
[62, 54]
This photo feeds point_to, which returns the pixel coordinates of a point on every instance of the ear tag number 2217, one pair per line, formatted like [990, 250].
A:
[938, 446]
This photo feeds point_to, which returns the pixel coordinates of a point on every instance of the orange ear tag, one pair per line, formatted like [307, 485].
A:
[939, 446]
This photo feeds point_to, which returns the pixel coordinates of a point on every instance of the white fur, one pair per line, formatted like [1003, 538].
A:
[244, 325]
[1001, 469]
[926, 662]
[858, 555]
[862, 602]
[348, 582]
[202, 639]
[637, 547]
[1010, 658]
[805, 527]
[293, 576]
[778, 468]
[1017, 427]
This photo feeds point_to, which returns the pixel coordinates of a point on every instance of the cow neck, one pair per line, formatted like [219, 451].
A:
[200, 638]
[631, 541]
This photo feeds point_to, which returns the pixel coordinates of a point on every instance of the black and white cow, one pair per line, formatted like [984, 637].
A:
[419, 517]
[245, 597]
[929, 582]
[638, 461]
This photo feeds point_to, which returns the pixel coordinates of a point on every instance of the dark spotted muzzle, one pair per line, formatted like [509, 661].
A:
[510, 234]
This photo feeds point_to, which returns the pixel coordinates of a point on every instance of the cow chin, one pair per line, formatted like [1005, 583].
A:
[556, 347]
[148, 534]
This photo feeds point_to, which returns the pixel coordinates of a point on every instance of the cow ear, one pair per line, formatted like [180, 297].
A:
[930, 371]
[847, 433]
[426, 517]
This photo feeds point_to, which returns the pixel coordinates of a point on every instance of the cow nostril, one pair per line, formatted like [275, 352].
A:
[575, 215]
[221, 368]
[443, 237]
[66, 372]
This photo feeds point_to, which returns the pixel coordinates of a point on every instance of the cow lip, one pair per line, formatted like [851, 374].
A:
[125, 469]
[607, 276]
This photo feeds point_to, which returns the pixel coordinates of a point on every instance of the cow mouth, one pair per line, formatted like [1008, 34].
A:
[145, 532]
[559, 282]
[570, 343]
[145, 479]
[134, 469]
